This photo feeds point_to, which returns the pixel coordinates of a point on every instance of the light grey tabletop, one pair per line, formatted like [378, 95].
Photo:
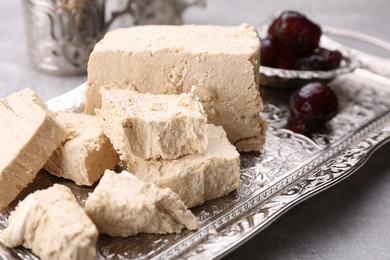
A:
[348, 221]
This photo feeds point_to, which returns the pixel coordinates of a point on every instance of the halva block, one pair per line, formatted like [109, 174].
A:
[196, 177]
[86, 152]
[122, 205]
[153, 126]
[29, 136]
[222, 63]
[53, 225]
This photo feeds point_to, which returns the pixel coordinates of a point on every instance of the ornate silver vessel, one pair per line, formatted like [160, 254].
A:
[62, 33]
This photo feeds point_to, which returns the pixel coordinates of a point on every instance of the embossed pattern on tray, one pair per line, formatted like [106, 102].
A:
[290, 167]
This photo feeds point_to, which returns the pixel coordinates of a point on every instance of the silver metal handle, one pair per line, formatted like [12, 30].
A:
[378, 65]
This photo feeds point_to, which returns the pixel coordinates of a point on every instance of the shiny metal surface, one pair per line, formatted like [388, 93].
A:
[62, 33]
[290, 168]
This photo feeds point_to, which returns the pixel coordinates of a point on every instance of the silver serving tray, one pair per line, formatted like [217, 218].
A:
[289, 169]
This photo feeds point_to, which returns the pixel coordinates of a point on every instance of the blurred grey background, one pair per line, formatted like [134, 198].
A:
[348, 221]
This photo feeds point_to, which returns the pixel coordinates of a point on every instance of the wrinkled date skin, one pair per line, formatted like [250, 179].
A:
[311, 107]
[295, 31]
[293, 43]
[275, 55]
[268, 53]
[320, 59]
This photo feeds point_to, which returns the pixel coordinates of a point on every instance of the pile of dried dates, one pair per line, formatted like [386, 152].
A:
[293, 43]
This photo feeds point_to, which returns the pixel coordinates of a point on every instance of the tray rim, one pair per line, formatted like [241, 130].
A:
[384, 138]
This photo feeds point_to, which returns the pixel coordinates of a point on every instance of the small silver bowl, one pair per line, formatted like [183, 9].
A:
[283, 78]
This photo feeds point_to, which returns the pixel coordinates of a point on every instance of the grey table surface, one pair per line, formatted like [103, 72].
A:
[348, 221]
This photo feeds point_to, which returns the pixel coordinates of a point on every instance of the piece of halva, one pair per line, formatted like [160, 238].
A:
[196, 177]
[122, 205]
[153, 126]
[53, 225]
[86, 152]
[29, 135]
[222, 63]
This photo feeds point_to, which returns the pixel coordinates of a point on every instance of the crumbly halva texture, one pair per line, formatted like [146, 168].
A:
[222, 63]
[122, 205]
[197, 177]
[86, 152]
[29, 135]
[53, 225]
[153, 126]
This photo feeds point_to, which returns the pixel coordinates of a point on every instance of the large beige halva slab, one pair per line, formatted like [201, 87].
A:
[153, 126]
[222, 63]
[122, 205]
[29, 136]
[86, 152]
[53, 225]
